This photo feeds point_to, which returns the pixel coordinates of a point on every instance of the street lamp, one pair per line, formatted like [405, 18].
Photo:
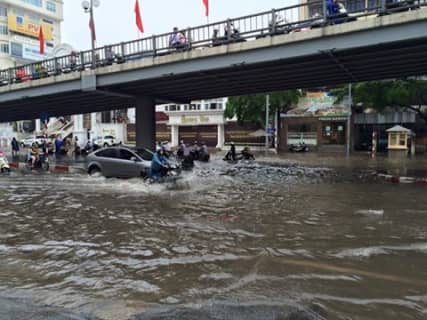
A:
[88, 7]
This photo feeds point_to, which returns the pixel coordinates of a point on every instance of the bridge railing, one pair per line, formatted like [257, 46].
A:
[286, 20]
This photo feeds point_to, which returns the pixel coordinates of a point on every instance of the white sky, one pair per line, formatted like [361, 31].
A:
[115, 19]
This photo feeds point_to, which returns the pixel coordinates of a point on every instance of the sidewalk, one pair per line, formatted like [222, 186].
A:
[65, 164]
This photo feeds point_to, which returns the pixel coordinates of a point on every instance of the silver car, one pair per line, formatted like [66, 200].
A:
[120, 162]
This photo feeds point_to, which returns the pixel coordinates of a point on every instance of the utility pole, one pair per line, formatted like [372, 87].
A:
[92, 35]
[88, 7]
[267, 116]
[350, 103]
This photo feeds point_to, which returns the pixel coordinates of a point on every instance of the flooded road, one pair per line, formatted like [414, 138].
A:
[322, 237]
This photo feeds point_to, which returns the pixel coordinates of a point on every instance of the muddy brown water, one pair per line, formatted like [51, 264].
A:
[320, 235]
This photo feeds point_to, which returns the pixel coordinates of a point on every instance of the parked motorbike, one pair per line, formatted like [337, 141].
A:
[302, 147]
[4, 165]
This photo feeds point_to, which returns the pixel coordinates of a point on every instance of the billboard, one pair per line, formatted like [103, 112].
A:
[28, 51]
[26, 26]
[321, 105]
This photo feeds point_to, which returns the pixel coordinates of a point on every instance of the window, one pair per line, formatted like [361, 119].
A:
[50, 6]
[402, 140]
[16, 49]
[3, 30]
[3, 12]
[145, 154]
[394, 137]
[126, 155]
[174, 107]
[107, 153]
[4, 47]
[37, 3]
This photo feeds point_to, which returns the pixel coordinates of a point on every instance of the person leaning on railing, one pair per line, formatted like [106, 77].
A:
[177, 39]
[217, 40]
[73, 60]
[109, 56]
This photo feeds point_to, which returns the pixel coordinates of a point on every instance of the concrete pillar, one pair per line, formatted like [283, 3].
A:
[145, 116]
[413, 144]
[38, 125]
[93, 125]
[78, 122]
[221, 136]
[175, 136]
[79, 130]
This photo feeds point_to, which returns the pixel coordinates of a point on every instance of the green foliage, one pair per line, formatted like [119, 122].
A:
[409, 94]
[252, 108]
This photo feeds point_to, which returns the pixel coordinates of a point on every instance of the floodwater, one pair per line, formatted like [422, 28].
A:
[254, 241]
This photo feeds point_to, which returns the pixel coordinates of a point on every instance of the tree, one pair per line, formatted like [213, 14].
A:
[400, 94]
[251, 108]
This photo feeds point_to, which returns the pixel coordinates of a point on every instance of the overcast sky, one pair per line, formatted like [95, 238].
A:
[115, 19]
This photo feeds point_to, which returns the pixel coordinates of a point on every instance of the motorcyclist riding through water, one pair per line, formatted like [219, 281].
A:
[231, 155]
[34, 154]
[159, 165]
[4, 164]
[204, 155]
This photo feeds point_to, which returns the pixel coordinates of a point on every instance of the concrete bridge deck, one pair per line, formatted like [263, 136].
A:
[374, 48]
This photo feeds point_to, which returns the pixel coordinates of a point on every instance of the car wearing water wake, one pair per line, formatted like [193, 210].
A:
[120, 162]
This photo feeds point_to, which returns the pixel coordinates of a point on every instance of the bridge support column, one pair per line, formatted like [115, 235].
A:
[145, 120]
[79, 130]
[221, 137]
[93, 129]
[175, 136]
[38, 126]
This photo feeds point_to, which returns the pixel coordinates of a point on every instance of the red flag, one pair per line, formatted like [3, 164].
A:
[206, 3]
[92, 29]
[138, 17]
[41, 39]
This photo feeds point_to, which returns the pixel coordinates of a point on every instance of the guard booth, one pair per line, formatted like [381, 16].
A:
[399, 141]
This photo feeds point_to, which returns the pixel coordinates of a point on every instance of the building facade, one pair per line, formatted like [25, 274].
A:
[20, 22]
[199, 121]
[316, 121]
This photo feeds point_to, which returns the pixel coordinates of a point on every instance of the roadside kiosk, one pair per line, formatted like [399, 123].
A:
[398, 138]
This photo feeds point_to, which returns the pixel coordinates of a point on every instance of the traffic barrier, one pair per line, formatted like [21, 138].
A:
[62, 168]
[14, 165]
[405, 180]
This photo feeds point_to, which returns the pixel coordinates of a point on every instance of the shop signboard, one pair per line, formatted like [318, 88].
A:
[321, 105]
[24, 25]
[192, 120]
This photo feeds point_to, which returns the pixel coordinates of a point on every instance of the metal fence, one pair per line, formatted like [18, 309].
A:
[313, 14]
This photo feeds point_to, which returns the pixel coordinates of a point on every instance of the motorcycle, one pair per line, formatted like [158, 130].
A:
[169, 173]
[4, 165]
[41, 163]
[245, 155]
[187, 163]
[302, 147]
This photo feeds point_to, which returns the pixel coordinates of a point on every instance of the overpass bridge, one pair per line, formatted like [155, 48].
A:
[265, 55]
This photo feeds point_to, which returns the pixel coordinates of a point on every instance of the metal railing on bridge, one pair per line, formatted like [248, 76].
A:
[297, 18]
